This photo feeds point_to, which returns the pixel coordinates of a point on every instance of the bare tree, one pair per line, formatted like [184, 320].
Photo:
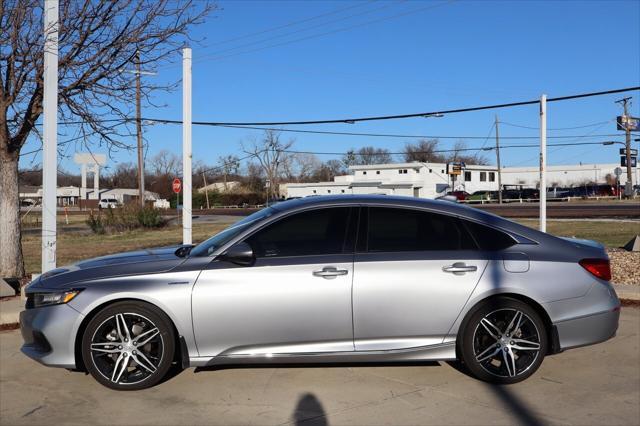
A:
[270, 152]
[460, 153]
[229, 165]
[165, 163]
[301, 167]
[367, 155]
[97, 39]
[424, 151]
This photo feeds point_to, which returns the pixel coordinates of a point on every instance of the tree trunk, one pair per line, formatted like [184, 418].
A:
[11, 261]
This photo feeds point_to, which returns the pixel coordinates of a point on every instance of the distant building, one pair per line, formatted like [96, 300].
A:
[430, 180]
[220, 187]
[126, 195]
[70, 195]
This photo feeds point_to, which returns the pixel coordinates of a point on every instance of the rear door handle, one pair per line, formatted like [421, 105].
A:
[330, 272]
[459, 268]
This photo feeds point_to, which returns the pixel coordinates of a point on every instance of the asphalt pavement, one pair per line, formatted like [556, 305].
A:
[594, 385]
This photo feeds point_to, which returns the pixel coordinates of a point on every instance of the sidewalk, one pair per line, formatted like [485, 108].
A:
[10, 310]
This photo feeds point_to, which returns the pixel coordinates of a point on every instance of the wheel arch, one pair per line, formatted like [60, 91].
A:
[552, 332]
[77, 345]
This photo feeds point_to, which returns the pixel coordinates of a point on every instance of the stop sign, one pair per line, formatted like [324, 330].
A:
[176, 185]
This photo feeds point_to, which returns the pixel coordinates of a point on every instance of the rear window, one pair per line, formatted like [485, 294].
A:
[393, 229]
[488, 238]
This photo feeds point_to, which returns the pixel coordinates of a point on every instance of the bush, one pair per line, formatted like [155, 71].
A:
[124, 219]
[95, 222]
[148, 217]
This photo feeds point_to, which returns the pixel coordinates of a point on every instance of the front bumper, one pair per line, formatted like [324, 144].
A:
[49, 334]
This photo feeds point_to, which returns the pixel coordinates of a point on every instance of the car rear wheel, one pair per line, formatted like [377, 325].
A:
[504, 341]
[128, 346]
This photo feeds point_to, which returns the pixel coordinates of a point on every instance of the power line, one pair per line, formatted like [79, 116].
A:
[286, 34]
[558, 128]
[437, 151]
[400, 116]
[348, 28]
[290, 24]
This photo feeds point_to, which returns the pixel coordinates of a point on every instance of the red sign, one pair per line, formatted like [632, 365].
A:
[176, 185]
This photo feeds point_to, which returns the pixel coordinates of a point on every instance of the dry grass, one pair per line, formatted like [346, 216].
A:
[610, 233]
[77, 246]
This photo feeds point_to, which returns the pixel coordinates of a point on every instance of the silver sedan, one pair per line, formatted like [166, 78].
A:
[329, 279]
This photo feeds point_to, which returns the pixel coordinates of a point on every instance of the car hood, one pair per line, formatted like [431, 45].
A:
[137, 262]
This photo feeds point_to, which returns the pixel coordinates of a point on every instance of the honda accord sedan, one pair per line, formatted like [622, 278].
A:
[324, 280]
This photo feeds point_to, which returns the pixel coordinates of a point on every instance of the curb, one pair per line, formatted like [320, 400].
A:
[627, 291]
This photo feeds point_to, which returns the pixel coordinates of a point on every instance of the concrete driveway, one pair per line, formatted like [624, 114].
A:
[594, 385]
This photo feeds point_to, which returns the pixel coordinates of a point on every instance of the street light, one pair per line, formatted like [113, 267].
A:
[613, 142]
[434, 115]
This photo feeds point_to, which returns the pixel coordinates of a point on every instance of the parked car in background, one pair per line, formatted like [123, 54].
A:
[108, 203]
[483, 196]
[460, 195]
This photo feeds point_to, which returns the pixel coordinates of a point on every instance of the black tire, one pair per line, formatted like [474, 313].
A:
[115, 360]
[513, 356]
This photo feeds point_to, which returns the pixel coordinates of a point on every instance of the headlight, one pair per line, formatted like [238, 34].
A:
[37, 300]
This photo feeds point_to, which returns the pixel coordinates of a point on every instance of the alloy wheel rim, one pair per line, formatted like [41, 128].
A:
[506, 342]
[127, 348]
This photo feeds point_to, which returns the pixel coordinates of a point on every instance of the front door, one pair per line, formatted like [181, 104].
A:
[296, 298]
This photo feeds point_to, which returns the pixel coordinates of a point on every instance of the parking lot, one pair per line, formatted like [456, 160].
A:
[593, 385]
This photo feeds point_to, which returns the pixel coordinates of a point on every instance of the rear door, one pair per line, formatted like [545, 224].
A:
[414, 271]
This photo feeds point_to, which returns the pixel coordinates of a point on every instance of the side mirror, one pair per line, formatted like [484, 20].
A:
[240, 254]
[183, 251]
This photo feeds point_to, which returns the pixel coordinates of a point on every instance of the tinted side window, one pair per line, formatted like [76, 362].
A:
[488, 238]
[313, 232]
[392, 229]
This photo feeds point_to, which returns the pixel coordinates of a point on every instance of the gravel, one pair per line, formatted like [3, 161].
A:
[625, 266]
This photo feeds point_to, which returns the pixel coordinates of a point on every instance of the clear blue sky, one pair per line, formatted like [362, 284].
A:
[415, 58]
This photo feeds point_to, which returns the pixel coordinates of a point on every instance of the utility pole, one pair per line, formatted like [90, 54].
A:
[186, 145]
[139, 132]
[50, 138]
[628, 187]
[498, 161]
[543, 163]
[206, 190]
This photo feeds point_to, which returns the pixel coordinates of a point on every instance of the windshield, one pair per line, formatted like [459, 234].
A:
[207, 247]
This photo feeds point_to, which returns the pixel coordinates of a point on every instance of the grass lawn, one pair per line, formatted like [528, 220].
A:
[74, 246]
[610, 233]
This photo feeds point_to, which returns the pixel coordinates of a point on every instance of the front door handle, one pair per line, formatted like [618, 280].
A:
[330, 272]
[459, 268]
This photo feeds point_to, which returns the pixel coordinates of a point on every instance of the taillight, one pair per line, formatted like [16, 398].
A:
[600, 268]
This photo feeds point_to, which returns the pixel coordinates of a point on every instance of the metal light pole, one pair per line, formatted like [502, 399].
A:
[498, 162]
[50, 132]
[186, 146]
[543, 163]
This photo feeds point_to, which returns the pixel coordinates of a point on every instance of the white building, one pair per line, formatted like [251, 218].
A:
[220, 187]
[126, 195]
[70, 195]
[430, 180]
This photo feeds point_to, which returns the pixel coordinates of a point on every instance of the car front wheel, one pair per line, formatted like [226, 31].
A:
[128, 346]
[504, 341]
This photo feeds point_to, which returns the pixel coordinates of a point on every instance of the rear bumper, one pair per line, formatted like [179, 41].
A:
[49, 335]
[588, 330]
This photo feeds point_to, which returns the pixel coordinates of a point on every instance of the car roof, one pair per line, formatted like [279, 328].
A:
[441, 206]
